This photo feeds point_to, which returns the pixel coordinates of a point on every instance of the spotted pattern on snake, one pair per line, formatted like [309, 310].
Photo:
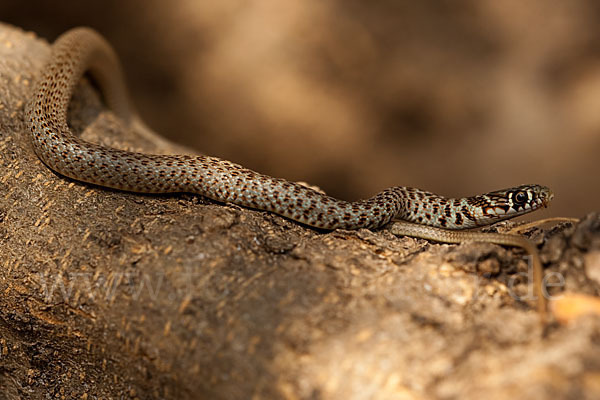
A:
[82, 50]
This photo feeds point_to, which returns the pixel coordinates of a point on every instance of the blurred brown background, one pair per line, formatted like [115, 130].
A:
[456, 97]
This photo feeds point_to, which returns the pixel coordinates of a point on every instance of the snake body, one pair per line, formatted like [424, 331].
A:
[82, 49]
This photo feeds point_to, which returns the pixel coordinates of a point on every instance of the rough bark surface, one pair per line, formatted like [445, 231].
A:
[106, 294]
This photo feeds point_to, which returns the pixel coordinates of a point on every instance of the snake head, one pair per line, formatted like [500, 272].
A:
[529, 197]
[509, 203]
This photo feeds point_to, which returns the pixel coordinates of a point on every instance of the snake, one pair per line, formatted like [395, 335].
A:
[82, 50]
[413, 212]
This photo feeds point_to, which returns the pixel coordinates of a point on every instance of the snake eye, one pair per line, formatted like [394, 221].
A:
[520, 197]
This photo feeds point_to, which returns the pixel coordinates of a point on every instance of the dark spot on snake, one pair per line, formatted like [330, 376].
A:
[467, 214]
[448, 210]
[458, 220]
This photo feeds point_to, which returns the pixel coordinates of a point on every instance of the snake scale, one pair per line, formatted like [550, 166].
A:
[82, 49]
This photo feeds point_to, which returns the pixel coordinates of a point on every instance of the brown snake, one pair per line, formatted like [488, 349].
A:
[424, 214]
